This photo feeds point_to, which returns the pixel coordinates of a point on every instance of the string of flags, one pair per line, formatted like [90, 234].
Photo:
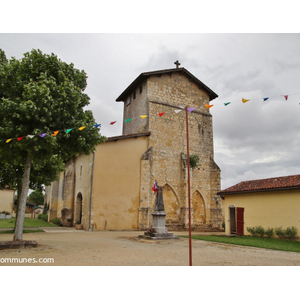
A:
[208, 106]
[190, 109]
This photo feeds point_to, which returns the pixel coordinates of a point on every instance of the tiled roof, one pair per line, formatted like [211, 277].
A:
[276, 183]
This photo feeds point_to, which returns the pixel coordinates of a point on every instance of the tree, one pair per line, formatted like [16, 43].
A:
[36, 197]
[39, 95]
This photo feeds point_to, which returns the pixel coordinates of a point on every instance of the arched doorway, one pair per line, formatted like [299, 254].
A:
[172, 207]
[78, 209]
[198, 204]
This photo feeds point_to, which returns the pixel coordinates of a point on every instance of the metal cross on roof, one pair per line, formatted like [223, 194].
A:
[177, 63]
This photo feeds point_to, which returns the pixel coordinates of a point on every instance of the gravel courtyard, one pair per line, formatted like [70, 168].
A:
[68, 247]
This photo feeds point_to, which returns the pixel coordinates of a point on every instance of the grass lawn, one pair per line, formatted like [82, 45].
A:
[267, 243]
[28, 223]
[24, 231]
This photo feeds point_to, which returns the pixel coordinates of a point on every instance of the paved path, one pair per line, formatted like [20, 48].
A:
[68, 247]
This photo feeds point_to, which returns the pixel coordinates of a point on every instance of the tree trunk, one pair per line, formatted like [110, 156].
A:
[22, 199]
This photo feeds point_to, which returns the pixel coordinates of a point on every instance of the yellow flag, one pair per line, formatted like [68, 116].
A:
[144, 116]
[81, 128]
[55, 133]
[7, 141]
[245, 100]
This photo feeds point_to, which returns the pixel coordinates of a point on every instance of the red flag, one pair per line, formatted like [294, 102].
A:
[20, 138]
[286, 97]
[112, 123]
[161, 114]
[154, 188]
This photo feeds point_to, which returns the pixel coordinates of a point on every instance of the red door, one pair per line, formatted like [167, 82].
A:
[240, 221]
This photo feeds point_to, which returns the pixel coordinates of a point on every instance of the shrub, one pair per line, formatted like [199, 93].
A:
[291, 232]
[43, 217]
[251, 230]
[56, 221]
[269, 232]
[279, 232]
[259, 231]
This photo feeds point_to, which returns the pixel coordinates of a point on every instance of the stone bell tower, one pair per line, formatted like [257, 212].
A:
[154, 102]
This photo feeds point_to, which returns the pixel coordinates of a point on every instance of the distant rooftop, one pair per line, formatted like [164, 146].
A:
[275, 183]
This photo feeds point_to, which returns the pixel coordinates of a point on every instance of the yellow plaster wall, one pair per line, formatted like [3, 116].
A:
[116, 188]
[268, 209]
[6, 200]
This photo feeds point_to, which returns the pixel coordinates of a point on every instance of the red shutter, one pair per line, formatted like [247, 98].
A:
[240, 220]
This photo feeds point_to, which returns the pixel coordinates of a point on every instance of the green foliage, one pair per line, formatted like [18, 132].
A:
[56, 221]
[37, 197]
[28, 223]
[43, 217]
[279, 232]
[194, 161]
[269, 232]
[40, 94]
[275, 244]
[289, 232]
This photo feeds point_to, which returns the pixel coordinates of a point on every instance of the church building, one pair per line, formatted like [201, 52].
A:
[111, 189]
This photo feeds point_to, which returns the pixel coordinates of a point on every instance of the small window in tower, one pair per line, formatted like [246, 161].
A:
[127, 101]
[134, 95]
[141, 89]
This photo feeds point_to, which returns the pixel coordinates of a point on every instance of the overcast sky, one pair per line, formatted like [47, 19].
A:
[252, 140]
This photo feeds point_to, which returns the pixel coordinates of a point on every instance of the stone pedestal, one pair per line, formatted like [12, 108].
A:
[160, 231]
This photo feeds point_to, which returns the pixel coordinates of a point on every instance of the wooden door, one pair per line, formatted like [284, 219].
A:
[240, 220]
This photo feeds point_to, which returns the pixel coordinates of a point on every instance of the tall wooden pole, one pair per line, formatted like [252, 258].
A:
[189, 184]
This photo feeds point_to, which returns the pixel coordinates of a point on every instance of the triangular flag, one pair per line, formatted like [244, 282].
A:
[7, 141]
[68, 130]
[112, 123]
[245, 100]
[43, 134]
[191, 109]
[55, 133]
[265, 99]
[30, 136]
[160, 114]
[227, 103]
[286, 97]
[81, 128]
[97, 125]
[128, 120]
[20, 138]
[208, 106]
[144, 116]
[177, 111]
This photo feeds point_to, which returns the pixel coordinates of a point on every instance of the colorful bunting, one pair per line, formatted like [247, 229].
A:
[112, 123]
[144, 116]
[20, 138]
[286, 97]
[161, 114]
[265, 99]
[7, 141]
[81, 128]
[191, 109]
[227, 103]
[208, 106]
[128, 120]
[97, 125]
[43, 134]
[245, 100]
[68, 130]
[55, 133]
[177, 111]
[30, 136]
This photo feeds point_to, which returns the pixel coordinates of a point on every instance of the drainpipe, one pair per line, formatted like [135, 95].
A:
[92, 180]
